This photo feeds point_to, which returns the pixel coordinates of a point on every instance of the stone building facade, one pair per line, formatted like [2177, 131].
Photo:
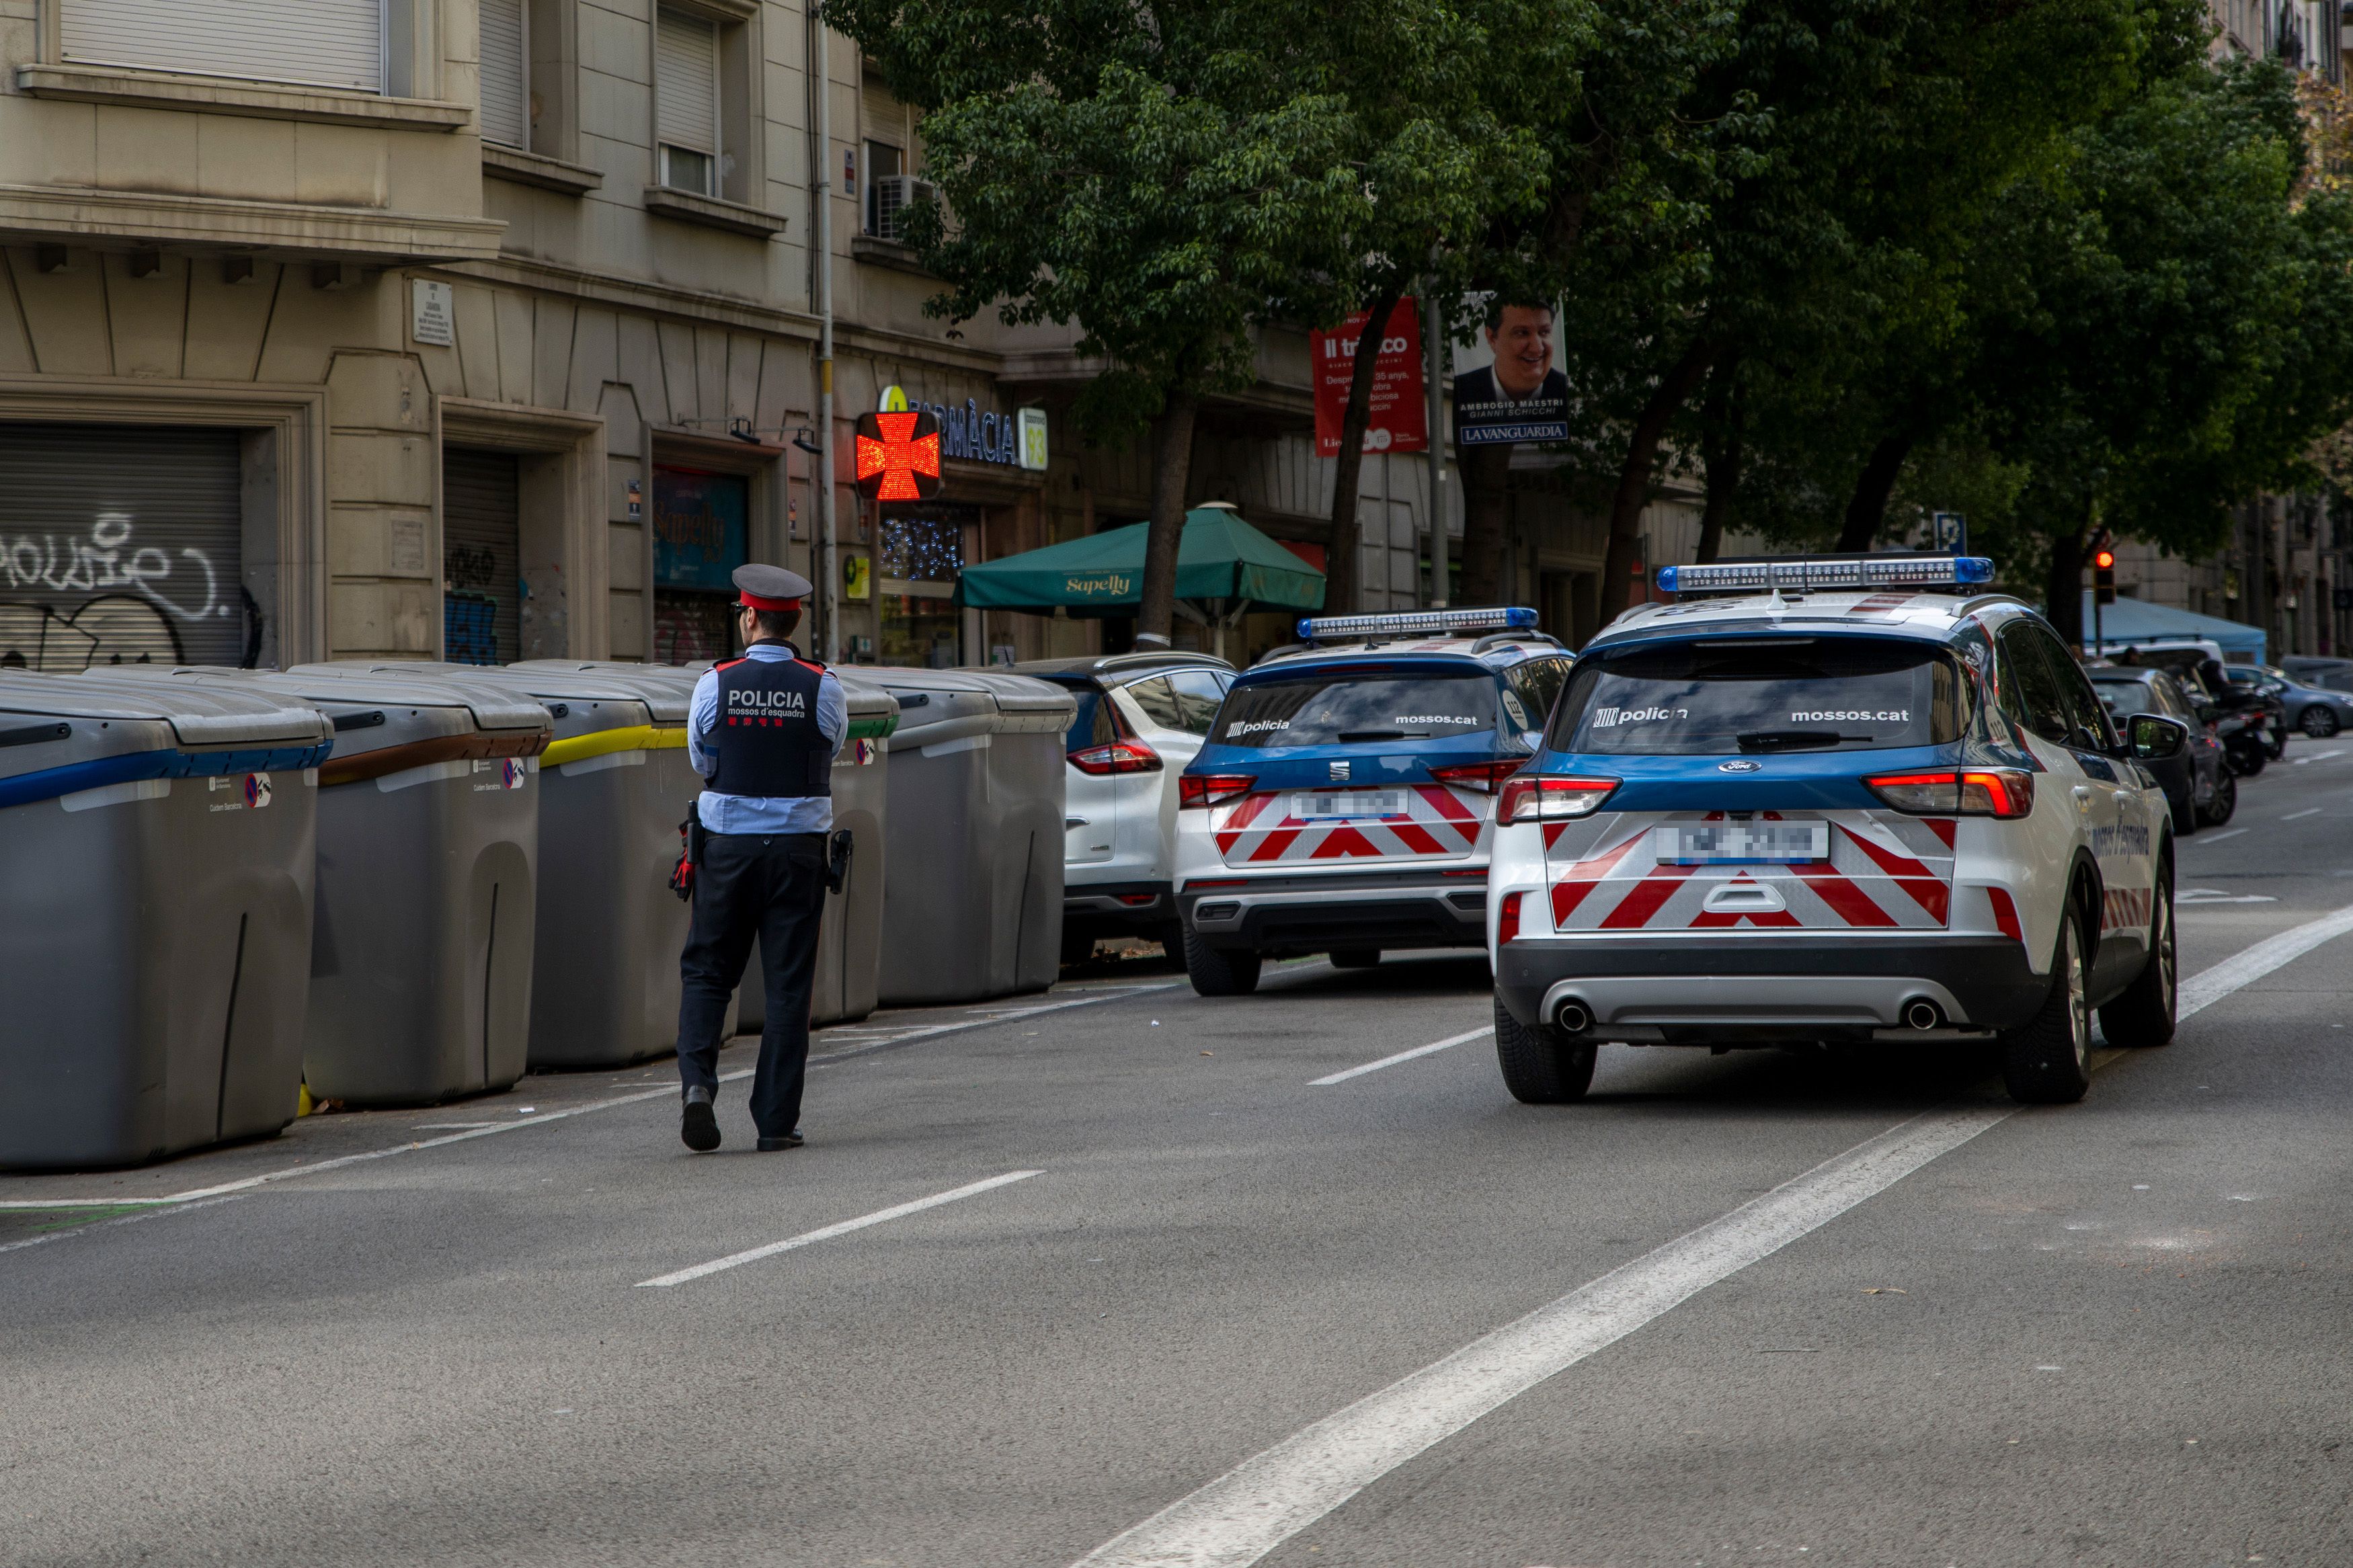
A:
[485, 329]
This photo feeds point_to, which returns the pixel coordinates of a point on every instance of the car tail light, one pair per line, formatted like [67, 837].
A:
[1485, 777]
[1507, 920]
[1552, 799]
[1209, 789]
[1998, 792]
[1119, 757]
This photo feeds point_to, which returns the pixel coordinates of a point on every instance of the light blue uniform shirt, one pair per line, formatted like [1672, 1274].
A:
[762, 813]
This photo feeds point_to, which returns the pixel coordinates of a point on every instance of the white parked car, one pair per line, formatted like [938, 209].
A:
[1141, 716]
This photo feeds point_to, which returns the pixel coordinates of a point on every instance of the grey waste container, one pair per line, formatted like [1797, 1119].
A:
[428, 840]
[156, 844]
[1029, 778]
[972, 875]
[849, 939]
[604, 989]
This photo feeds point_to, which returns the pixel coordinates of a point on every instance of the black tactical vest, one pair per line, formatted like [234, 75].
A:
[767, 739]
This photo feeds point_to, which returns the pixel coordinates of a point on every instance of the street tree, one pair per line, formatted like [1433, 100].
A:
[1154, 180]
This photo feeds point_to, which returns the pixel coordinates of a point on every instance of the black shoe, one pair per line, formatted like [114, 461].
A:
[789, 1141]
[698, 1127]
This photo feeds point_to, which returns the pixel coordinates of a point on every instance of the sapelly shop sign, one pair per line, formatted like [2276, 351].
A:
[978, 435]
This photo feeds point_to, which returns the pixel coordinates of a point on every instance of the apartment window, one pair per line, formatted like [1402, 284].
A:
[506, 73]
[308, 43]
[883, 162]
[686, 100]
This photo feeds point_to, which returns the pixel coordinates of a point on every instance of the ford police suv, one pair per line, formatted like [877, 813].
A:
[1839, 800]
[1344, 800]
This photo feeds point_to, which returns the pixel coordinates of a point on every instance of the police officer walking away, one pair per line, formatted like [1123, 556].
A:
[762, 734]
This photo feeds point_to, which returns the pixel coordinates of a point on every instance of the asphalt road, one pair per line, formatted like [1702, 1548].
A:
[1762, 1308]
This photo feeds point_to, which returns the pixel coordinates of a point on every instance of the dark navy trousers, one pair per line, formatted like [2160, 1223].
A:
[772, 887]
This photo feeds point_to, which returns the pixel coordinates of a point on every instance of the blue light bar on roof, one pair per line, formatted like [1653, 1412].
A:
[1404, 623]
[1805, 574]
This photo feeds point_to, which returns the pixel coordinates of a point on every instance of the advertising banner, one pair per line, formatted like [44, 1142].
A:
[1400, 418]
[1507, 386]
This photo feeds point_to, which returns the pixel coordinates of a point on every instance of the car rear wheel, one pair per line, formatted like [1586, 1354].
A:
[2144, 1014]
[1541, 1066]
[2224, 804]
[1355, 957]
[2317, 721]
[2047, 1059]
[1220, 970]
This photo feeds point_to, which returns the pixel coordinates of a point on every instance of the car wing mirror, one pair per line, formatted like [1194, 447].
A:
[2156, 737]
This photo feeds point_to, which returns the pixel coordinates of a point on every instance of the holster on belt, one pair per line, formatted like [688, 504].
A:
[690, 853]
[836, 868]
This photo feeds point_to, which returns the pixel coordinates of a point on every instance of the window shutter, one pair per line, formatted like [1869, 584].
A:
[506, 74]
[686, 81]
[316, 43]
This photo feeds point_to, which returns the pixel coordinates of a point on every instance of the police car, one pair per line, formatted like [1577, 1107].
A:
[1838, 801]
[1344, 799]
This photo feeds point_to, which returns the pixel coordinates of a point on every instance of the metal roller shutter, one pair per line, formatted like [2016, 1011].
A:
[120, 545]
[323, 43]
[481, 593]
[506, 73]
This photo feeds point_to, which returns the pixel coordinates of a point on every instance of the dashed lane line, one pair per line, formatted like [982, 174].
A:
[1262, 1502]
[2300, 816]
[1447, 1044]
[2206, 838]
[826, 1233]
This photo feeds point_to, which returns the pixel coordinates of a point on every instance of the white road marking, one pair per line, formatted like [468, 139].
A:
[668, 1090]
[2217, 896]
[118, 1219]
[1435, 1045]
[1253, 1509]
[2202, 990]
[1261, 1503]
[2217, 837]
[737, 1260]
[2295, 816]
[2317, 757]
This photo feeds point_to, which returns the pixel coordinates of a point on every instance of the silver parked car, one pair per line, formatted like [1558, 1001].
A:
[2314, 710]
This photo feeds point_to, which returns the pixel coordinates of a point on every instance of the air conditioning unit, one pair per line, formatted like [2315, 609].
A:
[891, 198]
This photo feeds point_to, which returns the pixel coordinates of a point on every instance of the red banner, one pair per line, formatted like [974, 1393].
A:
[1400, 421]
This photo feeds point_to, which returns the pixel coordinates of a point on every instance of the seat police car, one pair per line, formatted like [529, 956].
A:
[1837, 800]
[1344, 799]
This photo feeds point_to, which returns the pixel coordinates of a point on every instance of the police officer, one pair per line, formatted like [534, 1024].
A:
[762, 734]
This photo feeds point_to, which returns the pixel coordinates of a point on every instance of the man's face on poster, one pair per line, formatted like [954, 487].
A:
[1521, 341]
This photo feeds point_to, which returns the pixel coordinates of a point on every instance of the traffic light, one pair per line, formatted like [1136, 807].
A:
[2104, 575]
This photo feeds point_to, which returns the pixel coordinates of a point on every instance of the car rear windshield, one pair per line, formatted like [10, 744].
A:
[1760, 696]
[1092, 725]
[1335, 708]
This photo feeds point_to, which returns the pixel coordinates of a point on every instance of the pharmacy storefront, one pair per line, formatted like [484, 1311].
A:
[989, 456]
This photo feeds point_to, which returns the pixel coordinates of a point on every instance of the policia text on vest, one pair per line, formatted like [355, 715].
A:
[763, 733]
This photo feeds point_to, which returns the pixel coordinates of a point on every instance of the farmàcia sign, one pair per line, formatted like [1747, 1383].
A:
[977, 434]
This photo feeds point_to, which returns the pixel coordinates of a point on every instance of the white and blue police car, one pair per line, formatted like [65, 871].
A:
[1344, 800]
[1838, 801]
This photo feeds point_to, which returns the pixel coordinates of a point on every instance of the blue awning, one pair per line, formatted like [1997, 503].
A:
[2133, 621]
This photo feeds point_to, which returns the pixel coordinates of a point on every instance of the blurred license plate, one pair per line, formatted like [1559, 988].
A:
[1342, 806]
[1744, 843]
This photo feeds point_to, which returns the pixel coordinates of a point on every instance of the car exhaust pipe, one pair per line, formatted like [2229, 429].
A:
[1573, 1018]
[1922, 1014]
